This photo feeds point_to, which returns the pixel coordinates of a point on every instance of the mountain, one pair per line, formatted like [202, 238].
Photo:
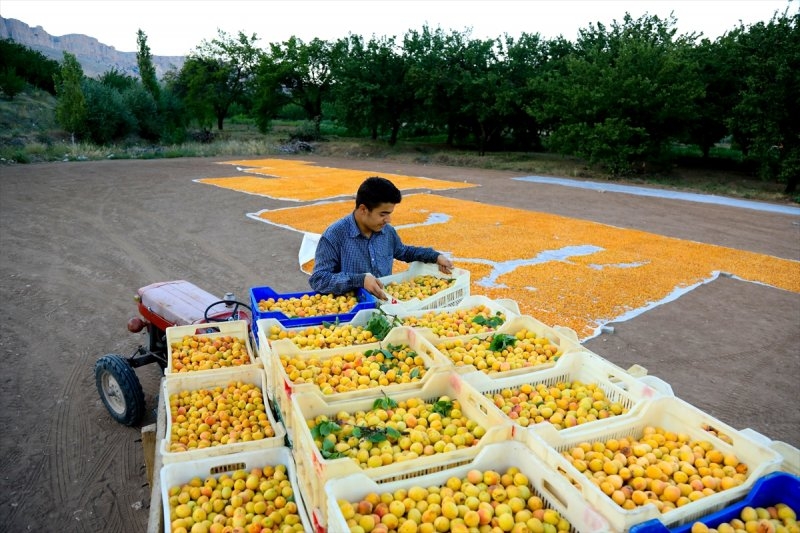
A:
[95, 57]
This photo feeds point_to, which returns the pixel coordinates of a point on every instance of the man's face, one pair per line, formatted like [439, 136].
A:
[375, 219]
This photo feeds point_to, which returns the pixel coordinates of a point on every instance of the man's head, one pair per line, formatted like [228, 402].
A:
[375, 191]
[375, 201]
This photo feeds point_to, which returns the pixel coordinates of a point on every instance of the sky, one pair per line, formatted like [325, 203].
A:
[176, 27]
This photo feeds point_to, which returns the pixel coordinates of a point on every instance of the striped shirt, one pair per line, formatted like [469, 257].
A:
[344, 256]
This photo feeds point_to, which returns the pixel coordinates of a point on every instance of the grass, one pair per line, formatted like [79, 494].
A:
[29, 134]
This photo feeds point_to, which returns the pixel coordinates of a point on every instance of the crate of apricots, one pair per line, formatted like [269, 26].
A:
[218, 413]
[403, 360]
[772, 505]
[423, 286]
[247, 491]
[521, 345]
[392, 436]
[308, 308]
[474, 315]
[213, 346]
[671, 462]
[582, 389]
[504, 488]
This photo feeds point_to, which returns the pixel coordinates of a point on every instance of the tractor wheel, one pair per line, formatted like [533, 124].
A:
[120, 389]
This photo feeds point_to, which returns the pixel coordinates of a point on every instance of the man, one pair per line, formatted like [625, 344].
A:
[361, 247]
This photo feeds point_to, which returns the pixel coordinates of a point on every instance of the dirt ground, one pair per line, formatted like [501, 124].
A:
[78, 239]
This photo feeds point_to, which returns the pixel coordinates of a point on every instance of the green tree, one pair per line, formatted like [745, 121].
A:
[765, 118]
[298, 73]
[11, 84]
[716, 70]
[218, 74]
[371, 91]
[108, 118]
[32, 66]
[71, 108]
[434, 66]
[624, 95]
[147, 71]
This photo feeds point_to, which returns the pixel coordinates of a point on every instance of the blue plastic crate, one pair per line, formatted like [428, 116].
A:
[365, 301]
[778, 487]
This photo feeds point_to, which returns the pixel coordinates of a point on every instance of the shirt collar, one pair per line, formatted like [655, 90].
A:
[353, 231]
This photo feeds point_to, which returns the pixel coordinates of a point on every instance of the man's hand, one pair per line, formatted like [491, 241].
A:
[374, 286]
[445, 265]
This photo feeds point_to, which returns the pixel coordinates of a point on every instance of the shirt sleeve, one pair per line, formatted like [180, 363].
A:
[327, 277]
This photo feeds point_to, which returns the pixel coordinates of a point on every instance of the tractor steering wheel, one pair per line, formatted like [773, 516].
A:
[234, 314]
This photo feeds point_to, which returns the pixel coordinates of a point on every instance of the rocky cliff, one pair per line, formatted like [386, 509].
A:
[95, 57]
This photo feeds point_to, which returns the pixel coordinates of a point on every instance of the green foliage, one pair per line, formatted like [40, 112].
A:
[764, 117]
[140, 104]
[217, 75]
[623, 95]
[147, 70]
[32, 66]
[108, 118]
[71, 110]
[295, 72]
[11, 84]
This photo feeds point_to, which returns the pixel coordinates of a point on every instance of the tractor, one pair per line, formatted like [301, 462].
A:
[160, 305]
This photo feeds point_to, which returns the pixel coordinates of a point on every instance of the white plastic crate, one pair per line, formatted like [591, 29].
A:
[554, 490]
[671, 414]
[586, 367]
[314, 470]
[445, 298]
[239, 329]
[181, 473]
[508, 307]
[283, 388]
[208, 380]
[563, 338]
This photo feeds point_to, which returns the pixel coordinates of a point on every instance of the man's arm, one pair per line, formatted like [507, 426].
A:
[419, 253]
[327, 278]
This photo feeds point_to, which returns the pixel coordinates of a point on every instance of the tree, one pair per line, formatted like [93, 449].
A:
[624, 94]
[371, 90]
[11, 84]
[764, 119]
[29, 65]
[71, 109]
[300, 73]
[218, 74]
[147, 71]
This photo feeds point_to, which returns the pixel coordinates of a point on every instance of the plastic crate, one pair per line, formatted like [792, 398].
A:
[362, 318]
[778, 487]
[181, 473]
[207, 380]
[556, 492]
[314, 470]
[586, 367]
[283, 388]
[671, 414]
[564, 338]
[445, 298]
[364, 298]
[235, 328]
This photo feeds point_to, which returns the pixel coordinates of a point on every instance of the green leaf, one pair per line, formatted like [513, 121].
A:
[443, 407]
[501, 341]
[326, 428]
[377, 437]
[415, 373]
[393, 433]
[493, 322]
[384, 403]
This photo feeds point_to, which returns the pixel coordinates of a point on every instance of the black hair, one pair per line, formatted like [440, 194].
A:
[375, 191]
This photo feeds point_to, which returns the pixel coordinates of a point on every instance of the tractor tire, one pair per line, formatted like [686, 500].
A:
[120, 389]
